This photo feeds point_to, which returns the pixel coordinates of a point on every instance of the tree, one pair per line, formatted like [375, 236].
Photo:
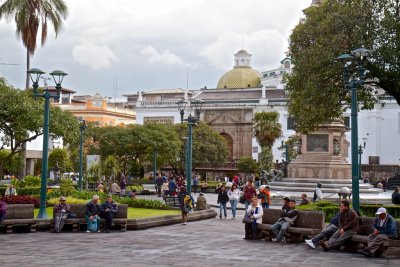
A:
[21, 120]
[32, 15]
[58, 158]
[9, 164]
[209, 147]
[110, 167]
[247, 165]
[266, 129]
[336, 27]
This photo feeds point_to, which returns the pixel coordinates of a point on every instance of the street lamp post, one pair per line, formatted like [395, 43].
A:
[287, 156]
[58, 77]
[82, 128]
[191, 120]
[154, 162]
[351, 83]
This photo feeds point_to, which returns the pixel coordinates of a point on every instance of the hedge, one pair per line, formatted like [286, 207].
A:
[330, 209]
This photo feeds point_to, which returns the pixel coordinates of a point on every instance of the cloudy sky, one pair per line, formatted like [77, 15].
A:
[123, 46]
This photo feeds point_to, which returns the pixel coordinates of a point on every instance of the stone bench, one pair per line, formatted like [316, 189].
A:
[390, 248]
[150, 188]
[307, 225]
[172, 201]
[19, 214]
[120, 218]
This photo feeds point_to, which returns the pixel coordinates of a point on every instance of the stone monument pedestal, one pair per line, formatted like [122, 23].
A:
[322, 154]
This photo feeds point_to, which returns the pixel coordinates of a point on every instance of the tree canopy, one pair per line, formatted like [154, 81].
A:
[336, 27]
[21, 119]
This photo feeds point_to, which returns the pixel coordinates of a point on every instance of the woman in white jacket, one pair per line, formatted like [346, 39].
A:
[255, 213]
[234, 195]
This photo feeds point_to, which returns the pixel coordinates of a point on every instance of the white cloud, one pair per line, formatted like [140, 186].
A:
[165, 57]
[93, 55]
[266, 46]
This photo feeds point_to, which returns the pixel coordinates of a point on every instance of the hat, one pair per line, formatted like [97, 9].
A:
[380, 211]
[286, 199]
[63, 198]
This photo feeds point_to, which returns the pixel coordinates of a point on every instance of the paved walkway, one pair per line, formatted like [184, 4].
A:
[211, 242]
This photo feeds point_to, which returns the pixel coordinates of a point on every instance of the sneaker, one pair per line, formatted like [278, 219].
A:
[87, 231]
[220, 216]
[99, 231]
[283, 240]
[184, 223]
[310, 243]
[274, 240]
[324, 245]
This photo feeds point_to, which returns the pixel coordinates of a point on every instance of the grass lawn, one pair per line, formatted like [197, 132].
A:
[133, 213]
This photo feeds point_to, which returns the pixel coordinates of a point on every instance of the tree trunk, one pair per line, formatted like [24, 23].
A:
[23, 169]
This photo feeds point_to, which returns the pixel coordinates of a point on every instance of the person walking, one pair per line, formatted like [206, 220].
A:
[223, 198]
[265, 196]
[234, 195]
[195, 183]
[159, 183]
[249, 192]
[123, 184]
[318, 193]
[186, 204]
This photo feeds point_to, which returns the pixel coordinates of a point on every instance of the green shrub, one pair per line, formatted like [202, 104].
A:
[28, 181]
[28, 191]
[136, 188]
[331, 209]
[140, 202]
[70, 200]
[66, 187]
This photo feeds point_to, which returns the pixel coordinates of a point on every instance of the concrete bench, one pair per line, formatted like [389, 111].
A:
[120, 218]
[172, 201]
[19, 214]
[390, 248]
[5, 182]
[307, 225]
[150, 188]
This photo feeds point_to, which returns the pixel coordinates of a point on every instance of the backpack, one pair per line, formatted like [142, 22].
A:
[188, 201]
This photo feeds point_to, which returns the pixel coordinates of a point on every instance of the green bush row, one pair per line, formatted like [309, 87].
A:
[330, 209]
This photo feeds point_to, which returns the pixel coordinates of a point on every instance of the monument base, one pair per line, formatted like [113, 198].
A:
[321, 170]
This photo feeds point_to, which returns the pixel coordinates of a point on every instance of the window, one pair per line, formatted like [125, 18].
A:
[291, 123]
[272, 73]
[347, 121]
[287, 64]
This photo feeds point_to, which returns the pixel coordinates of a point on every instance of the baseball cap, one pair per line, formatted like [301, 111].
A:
[380, 211]
[63, 198]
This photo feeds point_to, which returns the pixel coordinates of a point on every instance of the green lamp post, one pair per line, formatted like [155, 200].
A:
[196, 104]
[351, 83]
[360, 152]
[58, 76]
[82, 128]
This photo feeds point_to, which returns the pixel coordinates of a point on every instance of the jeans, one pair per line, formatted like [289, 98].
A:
[247, 203]
[337, 239]
[222, 207]
[59, 220]
[234, 203]
[265, 205]
[327, 232]
[109, 217]
[250, 230]
[279, 229]
[195, 188]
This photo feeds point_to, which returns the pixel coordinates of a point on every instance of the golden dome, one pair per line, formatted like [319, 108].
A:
[244, 77]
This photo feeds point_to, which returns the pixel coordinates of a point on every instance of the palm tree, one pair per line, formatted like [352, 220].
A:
[266, 129]
[32, 15]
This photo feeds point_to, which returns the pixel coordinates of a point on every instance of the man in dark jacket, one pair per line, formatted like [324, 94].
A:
[326, 233]
[108, 210]
[287, 219]
[348, 226]
[3, 210]
[92, 214]
[385, 228]
[223, 198]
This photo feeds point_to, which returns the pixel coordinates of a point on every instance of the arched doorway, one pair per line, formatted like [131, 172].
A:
[229, 140]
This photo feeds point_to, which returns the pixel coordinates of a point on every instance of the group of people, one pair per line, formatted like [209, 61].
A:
[341, 228]
[93, 214]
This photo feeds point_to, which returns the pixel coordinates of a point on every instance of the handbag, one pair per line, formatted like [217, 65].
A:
[247, 219]
[92, 225]
[242, 200]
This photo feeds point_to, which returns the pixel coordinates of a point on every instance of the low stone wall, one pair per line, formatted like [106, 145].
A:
[136, 224]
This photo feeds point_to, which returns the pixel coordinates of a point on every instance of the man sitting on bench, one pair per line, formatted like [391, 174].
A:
[384, 228]
[288, 217]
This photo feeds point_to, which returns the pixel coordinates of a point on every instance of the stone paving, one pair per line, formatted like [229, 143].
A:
[211, 242]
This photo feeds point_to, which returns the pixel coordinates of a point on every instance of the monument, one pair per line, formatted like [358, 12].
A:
[322, 154]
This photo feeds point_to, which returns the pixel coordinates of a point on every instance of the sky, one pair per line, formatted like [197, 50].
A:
[125, 46]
